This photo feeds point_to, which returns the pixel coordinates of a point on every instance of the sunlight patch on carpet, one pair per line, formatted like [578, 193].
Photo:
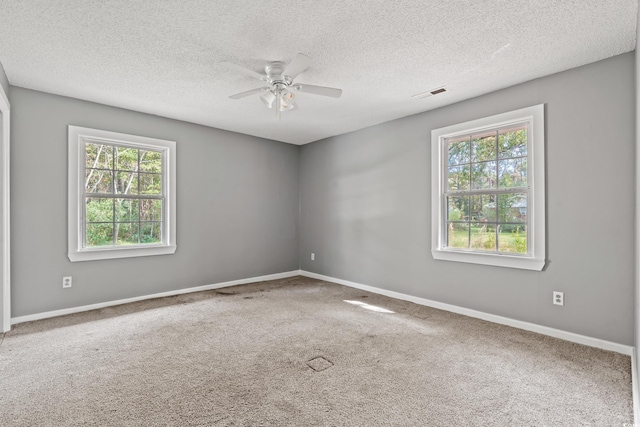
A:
[369, 306]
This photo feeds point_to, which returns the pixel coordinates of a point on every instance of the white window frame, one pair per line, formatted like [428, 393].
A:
[78, 136]
[536, 231]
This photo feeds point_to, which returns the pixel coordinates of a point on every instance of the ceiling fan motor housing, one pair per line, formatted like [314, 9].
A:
[274, 71]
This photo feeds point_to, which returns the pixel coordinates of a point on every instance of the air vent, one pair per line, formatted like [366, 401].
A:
[429, 93]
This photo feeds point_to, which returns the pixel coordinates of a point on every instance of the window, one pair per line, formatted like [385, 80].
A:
[488, 190]
[121, 195]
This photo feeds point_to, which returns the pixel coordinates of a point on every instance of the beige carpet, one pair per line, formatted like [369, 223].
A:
[293, 353]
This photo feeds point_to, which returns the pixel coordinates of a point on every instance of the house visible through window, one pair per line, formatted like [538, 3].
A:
[488, 190]
[121, 191]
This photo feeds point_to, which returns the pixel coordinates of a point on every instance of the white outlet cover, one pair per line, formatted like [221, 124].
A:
[558, 298]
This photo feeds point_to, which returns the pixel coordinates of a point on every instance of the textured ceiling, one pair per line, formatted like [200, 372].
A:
[163, 56]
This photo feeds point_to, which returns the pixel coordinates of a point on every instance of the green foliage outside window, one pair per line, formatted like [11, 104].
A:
[480, 163]
[136, 176]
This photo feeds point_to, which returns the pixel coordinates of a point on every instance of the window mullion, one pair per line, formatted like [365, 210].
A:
[165, 188]
[482, 191]
[530, 201]
[469, 199]
[444, 161]
[124, 196]
[83, 197]
[497, 248]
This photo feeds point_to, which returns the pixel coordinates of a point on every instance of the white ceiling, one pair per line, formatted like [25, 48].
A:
[163, 56]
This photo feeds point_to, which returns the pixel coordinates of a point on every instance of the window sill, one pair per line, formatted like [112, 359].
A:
[126, 252]
[520, 262]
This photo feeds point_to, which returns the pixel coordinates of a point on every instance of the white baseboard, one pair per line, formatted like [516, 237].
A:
[634, 387]
[544, 330]
[72, 310]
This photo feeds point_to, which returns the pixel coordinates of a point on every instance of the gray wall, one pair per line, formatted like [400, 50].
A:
[3, 80]
[4, 83]
[237, 207]
[365, 206]
[637, 218]
[2, 236]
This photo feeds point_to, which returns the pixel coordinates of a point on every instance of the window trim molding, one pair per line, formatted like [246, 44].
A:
[537, 226]
[5, 178]
[75, 205]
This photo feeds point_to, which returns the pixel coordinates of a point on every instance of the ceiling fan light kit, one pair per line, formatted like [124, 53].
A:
[268, 97]
[279, 76]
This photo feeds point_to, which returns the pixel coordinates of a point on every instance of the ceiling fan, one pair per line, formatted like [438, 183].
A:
[279, 78]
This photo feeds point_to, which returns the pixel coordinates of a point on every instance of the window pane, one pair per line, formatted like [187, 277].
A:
[458, 178]
[98, 181]
[99, 235]
[513, 238]
[458, 208]
[513, 143]
[150, 210]
[483, 147]
[512, 173]
[151, 161]
[126, 183]
[126, 233]
[126, 159]
[458, 151]
[150, 183]
[483, 236]
[483, 175]
[483, 208]
[512, 207]
[99, 210]
[150, 232]
[458, 235]
[127, 210]
[98, 156]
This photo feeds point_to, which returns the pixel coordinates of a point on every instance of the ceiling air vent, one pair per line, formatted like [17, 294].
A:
[429, 93]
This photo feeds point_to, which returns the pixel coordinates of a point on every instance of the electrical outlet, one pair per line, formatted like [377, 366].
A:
[558, 298]
[66, 282]
[313, 256]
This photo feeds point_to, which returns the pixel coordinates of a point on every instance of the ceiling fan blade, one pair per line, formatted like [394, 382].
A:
[318, 90]
[248, 93]
[300, 63]
[244, 71]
